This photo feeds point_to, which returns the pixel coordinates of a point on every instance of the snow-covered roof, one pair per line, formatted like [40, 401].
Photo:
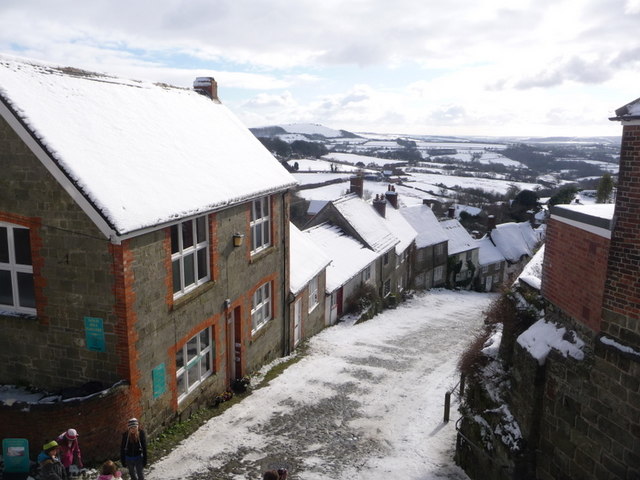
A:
[541, 337]
[424, 221]
[306, 259]
[348, 256]
[459, 238]
[514, 240]
[367, 222]
[599, 210]
[401, 228]
[142, 154]
[488, 253]
[532, 272]
[630, 111]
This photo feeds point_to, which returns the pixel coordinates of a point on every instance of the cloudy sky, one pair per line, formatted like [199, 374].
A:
[455, 67]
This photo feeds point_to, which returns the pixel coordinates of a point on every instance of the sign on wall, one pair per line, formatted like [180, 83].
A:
[158, 375]
[94, 334]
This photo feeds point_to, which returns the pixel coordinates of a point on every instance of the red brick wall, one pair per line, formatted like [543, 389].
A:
[622, 294]
[574, 271]
[99, 420]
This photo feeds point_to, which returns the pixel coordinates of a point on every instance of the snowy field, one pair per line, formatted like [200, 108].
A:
[365, 403]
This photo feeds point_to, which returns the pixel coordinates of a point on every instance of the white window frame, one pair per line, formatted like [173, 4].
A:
[385, 259]
[260, 224]
[17, 270]
[314, 299]
[182, 256]
[439, 249]
[261, 306]
[195, 367]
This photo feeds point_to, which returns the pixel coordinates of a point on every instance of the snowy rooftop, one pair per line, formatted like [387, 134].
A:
[488, 253]
[630, 111]
[424, 221]
[514, 240]
[307, 260]
[400, 227]
[348, 256]
[532, 272]
[367, 222]
[599, 215]
[141, 153]
[459, 238]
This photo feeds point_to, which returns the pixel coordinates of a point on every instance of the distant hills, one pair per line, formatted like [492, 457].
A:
[315, 132]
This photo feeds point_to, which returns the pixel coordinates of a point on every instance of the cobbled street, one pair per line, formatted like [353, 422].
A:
[365, 402]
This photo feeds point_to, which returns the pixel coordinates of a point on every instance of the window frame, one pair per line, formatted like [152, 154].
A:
[260, 223]
[366, 274]
[438, 274]
[261, 303]
[314, 297]
[195, 362]
[386, 287]
[182, 253]
[17, 269]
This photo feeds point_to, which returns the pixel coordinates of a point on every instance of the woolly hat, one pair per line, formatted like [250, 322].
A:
[71, 434]
[49, 446]
[133, 422]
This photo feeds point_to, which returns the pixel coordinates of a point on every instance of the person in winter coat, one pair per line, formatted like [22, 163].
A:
[69, 449]
[280, 474]
[50, 466]
[133, 450]
[109, 471]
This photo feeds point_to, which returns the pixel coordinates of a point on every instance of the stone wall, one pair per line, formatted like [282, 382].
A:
[73, 278]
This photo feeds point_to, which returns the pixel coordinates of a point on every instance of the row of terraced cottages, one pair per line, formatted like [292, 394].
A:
[147, 258]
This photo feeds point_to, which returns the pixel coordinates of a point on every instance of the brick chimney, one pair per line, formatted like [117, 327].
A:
[206, 86]
[427, 202]
[380, 204]
[392, 196]
[491, 223]
[620, 311]
[451, 213]
[357, 185]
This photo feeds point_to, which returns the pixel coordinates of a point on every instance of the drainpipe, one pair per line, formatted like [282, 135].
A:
[286, 320]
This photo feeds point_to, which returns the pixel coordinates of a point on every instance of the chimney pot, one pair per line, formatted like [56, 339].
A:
[380, 204]
[392, 196]
[206, 86]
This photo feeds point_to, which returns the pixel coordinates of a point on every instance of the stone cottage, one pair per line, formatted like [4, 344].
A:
[143, 251]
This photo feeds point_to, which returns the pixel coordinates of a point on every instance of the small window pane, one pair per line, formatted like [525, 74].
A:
[22, 246]
[4, 245]
[192, 349]
[193, 375]
[175, 243]
[6, 291]
[187, 234]
[204, 339]
[257, 240]
[189, 274]
[181, 384]
[201, 227]
[179, 359]
[176, 275]
[202, 263]
[207, 363]
[26, 293]
[266, 234]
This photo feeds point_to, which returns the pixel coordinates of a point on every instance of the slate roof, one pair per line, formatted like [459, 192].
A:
[307, 260]
[348, 256]
[459, 238]
[425, 223]
[367, 222]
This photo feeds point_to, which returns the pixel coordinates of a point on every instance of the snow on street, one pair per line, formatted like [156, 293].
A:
[366, 402]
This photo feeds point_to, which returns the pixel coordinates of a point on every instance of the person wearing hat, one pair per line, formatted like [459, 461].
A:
[69, 449]
[133, 449]
[50, 466]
